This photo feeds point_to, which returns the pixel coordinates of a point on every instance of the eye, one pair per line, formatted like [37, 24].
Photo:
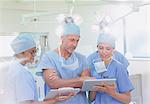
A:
[100, 48]
[108, 48]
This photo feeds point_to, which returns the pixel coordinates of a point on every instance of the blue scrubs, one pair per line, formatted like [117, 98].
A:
[114, 70]
[121, 58]
[21, 84]
[52, 60]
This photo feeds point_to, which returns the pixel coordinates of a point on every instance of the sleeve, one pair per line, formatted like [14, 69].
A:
[25, 88]
[84, 63]
[121, 58]
[89, 61]
[46, 62]
[123, 82]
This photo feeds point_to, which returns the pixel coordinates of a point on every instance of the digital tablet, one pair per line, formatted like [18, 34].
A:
[62, 91]
[88, 85]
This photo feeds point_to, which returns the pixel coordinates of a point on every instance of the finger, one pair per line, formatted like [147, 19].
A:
[103, 88]
[53, 78]
[51, 74]
[95, 88]
[63, 98]
[72, 94]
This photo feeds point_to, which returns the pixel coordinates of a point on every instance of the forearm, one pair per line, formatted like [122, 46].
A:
[58, 83]
[124, 98]
[51, 101]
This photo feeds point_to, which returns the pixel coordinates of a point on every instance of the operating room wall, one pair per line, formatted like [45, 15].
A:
[138, 66]
[11, 21]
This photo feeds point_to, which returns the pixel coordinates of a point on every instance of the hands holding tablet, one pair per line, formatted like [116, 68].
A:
[61, 97]
[62, 93]
[98, 84]
[109, 89]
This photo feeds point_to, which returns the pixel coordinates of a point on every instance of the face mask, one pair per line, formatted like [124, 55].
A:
[72, 66]
[100, 66]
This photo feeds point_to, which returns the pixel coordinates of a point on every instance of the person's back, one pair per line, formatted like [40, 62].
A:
[20, 81]
[21, 84]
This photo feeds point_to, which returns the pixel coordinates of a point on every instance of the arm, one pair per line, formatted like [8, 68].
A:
[54, 81]
[125, 98]
[36, 102]
[54, 100]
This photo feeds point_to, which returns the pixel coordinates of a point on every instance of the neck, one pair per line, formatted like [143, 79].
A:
[107, 61]
[64, 53]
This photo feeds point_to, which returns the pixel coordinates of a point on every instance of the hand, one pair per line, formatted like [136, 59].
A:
[109, 89]
[53, 75]
[64, 97]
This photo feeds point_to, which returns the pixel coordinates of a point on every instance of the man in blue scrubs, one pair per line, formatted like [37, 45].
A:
[104, 65]
[63, 67]
[20, 82]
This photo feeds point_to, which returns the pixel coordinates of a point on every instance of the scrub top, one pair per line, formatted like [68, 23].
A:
[121, 58]
[52, 60]
[114, 70]
[21, 84]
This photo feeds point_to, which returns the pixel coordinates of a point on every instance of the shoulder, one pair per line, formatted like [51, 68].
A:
[119, 66]
[93, 55]
[79, 55]
[118, 55]
[116, 63]
[16, 70]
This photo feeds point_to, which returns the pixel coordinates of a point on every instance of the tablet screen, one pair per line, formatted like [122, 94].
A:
[89, 84]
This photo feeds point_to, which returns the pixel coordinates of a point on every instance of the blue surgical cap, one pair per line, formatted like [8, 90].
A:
[71, 29]
[106, 38]
[22, 43]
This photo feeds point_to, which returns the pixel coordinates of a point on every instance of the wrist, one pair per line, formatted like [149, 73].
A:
[115, 94]
[50, 101]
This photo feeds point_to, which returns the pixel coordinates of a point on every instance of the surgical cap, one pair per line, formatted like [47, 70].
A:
[22, 43]
[71, 29]
[106, 38]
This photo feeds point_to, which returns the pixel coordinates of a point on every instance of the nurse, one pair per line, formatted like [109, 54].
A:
[20, 82]
[116, 55]
[63, 67]
[103, 65]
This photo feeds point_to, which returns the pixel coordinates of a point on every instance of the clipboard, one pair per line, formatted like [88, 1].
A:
[89, 84]
[65, 90]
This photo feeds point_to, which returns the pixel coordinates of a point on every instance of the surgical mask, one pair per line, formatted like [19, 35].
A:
[72, 66]
[100, 66]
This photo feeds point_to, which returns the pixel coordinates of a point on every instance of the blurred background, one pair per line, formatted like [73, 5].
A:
[127, 20]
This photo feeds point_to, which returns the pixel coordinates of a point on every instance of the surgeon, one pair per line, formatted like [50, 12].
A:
[69, 67]
[20, 82]
[102, 66]
[116, 55]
